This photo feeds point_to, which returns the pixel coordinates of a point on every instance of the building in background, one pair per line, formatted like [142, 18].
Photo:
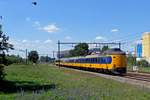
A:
[63, 54]
[146, 46]
[139, 49]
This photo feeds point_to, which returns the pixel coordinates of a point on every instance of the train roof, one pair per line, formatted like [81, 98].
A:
[114, 51]
[81, 57]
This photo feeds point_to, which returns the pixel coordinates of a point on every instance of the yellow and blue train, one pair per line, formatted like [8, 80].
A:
[112, 60]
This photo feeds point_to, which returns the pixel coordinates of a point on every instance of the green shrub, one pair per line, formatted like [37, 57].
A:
[131, 60]
[143, 63]
[2, 74]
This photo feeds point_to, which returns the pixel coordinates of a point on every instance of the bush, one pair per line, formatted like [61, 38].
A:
[13, 59]
[143, 63]
[131, 60]
[2, 74]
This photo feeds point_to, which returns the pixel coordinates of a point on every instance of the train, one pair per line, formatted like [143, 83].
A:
[111, 61]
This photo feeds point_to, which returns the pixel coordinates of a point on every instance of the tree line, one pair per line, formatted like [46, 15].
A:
[82, 49]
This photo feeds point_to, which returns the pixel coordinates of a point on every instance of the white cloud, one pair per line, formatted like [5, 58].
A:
[24, 41]
[115, 30]
[43, 47]
[100, 38]
[138, 42]
[36, 41]
[48, 41]
[36, 24]
[50, 28]
[68, 38]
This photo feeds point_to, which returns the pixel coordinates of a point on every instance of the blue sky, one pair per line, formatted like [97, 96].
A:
[40, 27]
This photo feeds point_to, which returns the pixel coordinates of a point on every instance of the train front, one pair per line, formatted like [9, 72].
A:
[119, 60]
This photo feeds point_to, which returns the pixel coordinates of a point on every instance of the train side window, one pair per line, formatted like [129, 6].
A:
[103, 60]
[87, 60]
[83, 60]
[90, 60]
[94, 60]
[108, 60]
[98, 60]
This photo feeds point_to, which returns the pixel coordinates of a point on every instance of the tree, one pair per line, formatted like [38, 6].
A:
[33, 56]
[80, 49]
[4, 47]
[45, 59]
[104, 48]
[143, 63]
[131, 60]
[14, 59]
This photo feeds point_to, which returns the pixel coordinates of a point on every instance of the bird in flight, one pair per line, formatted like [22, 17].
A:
[34, 3]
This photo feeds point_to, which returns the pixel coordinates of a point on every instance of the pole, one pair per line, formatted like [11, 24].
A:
[59, 53]
[53, 54]
[119, 45]
[26, 56]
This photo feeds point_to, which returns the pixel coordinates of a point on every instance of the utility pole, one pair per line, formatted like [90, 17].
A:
[119, 45]
[26, 51]
[53, 54]
[59, 53]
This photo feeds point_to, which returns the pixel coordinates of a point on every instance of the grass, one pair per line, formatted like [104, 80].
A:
[47, 82]
[141, 69]
[144, 69]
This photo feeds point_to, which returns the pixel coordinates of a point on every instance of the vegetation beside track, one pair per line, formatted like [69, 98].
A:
[40, 82]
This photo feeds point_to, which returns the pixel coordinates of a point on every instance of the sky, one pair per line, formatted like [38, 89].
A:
[40, 27]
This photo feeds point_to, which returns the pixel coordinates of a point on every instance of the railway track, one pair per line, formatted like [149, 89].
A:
[138, 76]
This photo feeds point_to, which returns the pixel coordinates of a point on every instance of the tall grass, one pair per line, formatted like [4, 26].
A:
[46, 82]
